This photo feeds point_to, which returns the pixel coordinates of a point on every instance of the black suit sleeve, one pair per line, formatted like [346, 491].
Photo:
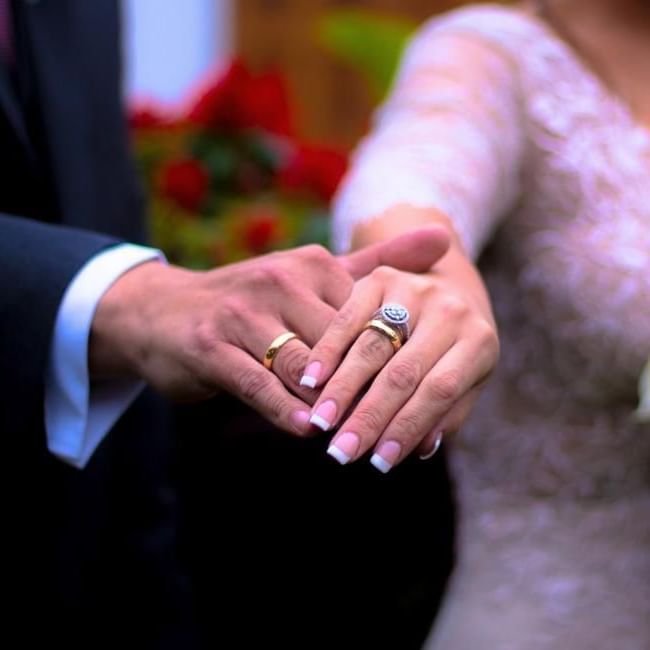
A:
[37, 262]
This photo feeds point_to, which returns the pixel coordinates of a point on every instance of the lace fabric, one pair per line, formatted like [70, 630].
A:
[546, 175]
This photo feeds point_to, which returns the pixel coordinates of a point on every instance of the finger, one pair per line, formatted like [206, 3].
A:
[342, 331]
[415, 251]
[249, 381]
[290, 360]
[321, 272]
[389, 392]
[451, 423]
[309, 317]
[457, 372]
[289, 365]
[366, 358]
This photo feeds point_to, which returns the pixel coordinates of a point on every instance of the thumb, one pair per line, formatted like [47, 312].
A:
[415, 251]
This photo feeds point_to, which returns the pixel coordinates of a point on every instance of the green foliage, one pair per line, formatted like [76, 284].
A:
[369, 42]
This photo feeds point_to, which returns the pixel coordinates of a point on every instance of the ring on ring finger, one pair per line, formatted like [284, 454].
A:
[392, 320]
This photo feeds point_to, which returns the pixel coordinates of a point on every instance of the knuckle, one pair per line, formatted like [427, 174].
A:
[383, 273]
[260, 274]
[278, 277]
[445, 387]
[425, 286]
[403, 376]
[233, 307]
[342, 388]
[233, 319]
[487, 338]
[346, 318]
[369, 420]
[327, 349]
[276, 408]
[291, 361]
[452, 307]
[372, 347]
[409, 428]
[316, 253]
[204, 339]
[250, 383]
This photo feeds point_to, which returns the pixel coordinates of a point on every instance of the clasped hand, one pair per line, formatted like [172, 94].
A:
[189, 334]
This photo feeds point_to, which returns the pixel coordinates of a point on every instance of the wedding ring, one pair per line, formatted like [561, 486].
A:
[274, 348]
[393, 335]
[397, 318]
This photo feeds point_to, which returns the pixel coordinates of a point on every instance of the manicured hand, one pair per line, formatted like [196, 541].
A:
[191, 333]
[408, 398]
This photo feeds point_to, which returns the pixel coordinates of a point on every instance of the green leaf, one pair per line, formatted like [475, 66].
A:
[370, 42]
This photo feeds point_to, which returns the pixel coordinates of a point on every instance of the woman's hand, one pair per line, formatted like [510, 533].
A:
[423, 390]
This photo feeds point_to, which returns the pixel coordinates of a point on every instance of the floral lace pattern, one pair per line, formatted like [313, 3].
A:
[495, 120]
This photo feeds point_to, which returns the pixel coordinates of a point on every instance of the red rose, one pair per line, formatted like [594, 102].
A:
[261, 230]
[267, 101]
[239, 100]
[314, 170]
[146, 117]
[185, 181]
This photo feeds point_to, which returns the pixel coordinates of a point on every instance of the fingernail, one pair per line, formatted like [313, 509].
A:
[312, 374]
[386, 456]
[324, 415]
[344, 447]
[300, 420]
[436, 445]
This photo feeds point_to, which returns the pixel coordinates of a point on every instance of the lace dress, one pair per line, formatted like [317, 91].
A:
[494, 120]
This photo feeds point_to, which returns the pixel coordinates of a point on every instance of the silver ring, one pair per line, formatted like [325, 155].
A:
[396, 316]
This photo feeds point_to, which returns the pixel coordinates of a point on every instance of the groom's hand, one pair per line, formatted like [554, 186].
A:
[190, 333]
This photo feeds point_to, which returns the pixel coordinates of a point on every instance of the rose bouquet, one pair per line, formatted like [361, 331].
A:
[227, 178]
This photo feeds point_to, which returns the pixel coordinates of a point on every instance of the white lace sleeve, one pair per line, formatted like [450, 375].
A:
[450, 136]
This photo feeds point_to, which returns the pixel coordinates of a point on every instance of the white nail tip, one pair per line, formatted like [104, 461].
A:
[339, 455]
[308, 381]
[320, 422]
[382, 465]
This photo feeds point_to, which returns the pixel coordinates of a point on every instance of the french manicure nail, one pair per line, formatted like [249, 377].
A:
[344, 447]
[387, 455]
[300, 420]
[311, 375]
[436, 445]
[324, 415]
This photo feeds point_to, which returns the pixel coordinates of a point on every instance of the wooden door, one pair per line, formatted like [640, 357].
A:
[334, 104]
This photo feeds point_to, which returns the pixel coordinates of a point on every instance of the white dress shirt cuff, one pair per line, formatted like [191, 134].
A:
[78, 415]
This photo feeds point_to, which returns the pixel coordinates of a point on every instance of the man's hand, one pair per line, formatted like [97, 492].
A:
[190, 333]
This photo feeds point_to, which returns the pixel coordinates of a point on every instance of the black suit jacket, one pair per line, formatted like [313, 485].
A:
[91, 552]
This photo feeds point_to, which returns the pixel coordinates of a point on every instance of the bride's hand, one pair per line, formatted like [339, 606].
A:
[419, 392]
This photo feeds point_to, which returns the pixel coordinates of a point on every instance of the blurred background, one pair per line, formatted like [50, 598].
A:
[171, 44]
[244, 113]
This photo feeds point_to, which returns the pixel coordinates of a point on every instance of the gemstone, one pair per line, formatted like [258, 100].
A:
[394, 313]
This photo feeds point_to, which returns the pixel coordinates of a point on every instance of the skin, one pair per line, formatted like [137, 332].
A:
[430, 385]
[189, 334]
[428, 388]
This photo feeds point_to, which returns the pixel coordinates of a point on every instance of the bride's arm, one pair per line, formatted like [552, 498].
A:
[446, 149]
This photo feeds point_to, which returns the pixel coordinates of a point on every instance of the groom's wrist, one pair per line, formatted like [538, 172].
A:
[119, 331]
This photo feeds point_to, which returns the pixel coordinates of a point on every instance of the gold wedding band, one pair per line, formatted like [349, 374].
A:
[381, 327]
[274, 348]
